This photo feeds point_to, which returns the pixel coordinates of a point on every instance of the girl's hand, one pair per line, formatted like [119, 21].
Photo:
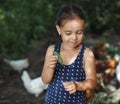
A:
[70, 87]
[52, 62]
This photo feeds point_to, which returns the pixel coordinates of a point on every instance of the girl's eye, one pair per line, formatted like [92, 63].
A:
[79, 32]
[68, 33]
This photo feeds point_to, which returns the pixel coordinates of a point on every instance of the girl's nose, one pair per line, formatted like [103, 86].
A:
[74, 37]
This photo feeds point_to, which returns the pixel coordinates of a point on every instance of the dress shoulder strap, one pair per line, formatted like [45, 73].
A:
[57, 47]
[82, 52]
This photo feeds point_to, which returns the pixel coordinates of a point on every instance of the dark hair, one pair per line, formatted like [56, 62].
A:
[69, 12]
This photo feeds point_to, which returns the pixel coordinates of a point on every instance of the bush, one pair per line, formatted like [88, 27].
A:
[23, 21]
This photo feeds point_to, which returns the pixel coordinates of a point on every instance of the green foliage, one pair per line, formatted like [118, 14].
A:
[113, 50]
[96, 99]
[101, 15]
[23, 21]
[59, 57]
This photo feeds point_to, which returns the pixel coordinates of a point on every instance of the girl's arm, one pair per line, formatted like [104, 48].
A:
[90, 70]
[49, 65]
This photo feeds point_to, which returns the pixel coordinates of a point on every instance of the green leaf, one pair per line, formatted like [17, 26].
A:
[59, 57]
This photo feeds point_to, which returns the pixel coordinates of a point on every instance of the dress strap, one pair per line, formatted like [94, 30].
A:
[57, 47]
[81, 54]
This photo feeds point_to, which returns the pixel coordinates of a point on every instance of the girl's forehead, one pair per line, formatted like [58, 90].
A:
[74, 23]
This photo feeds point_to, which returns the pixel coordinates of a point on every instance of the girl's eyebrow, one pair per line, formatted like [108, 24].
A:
[71, 30]
[66, 30]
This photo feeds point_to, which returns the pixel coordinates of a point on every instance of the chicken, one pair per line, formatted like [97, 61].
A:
[118, 72]
[34, 86]
[100, 50]
[111, 67]
[112, 63]
[18, 65]
[107, 66]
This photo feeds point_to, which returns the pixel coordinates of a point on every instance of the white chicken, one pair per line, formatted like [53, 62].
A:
[18, 65]
[34, 86]
[118, 72]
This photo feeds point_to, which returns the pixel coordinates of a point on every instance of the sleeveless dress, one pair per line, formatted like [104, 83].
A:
[56, 93]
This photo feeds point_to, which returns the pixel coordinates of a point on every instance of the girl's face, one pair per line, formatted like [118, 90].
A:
[72, 32]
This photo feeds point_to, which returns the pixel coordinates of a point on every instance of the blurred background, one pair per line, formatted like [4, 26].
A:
[27, 28]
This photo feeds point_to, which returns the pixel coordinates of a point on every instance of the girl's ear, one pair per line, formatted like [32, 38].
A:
[58, 29]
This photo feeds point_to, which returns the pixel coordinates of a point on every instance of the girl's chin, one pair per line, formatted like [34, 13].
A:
[75, 45]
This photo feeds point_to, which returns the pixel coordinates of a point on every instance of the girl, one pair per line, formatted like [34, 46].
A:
[68, 81]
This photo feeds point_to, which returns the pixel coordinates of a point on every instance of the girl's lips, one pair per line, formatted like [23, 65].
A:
[74, 42]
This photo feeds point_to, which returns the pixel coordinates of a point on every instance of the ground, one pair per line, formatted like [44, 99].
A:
[12, 90]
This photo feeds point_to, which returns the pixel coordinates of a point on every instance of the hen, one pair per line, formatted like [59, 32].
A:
[18, 65]
[118, 72]
[107, 66]
[33, 86]
[100, 50]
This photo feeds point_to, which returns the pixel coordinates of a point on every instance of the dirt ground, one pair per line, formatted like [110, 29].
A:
[12, 90]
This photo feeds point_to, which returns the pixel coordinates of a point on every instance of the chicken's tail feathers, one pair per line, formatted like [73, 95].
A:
[25, 76]
[26, 81]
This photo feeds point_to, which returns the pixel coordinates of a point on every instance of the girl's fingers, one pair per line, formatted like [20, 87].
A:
[68, 84]
[55, 57]
[70, 87]
[72, 91]
[52, 61]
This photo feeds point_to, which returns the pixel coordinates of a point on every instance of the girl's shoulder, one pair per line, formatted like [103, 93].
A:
[88, 49]
[50, 49]
[53, 46]
[88, 52]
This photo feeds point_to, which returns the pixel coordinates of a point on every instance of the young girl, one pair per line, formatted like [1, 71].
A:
[68, 81]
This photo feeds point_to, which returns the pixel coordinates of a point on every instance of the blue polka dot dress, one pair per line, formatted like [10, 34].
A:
[56, 93]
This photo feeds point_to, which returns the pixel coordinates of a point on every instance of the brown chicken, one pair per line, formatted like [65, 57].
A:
[100, 50]
[106, 66]
[111, 63]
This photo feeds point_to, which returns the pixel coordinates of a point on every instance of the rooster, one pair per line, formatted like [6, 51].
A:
[34, 86]
[18, 65]
[118, 72]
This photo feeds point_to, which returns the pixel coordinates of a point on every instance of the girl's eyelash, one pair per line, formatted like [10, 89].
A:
[67, 33]
[80, 32]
